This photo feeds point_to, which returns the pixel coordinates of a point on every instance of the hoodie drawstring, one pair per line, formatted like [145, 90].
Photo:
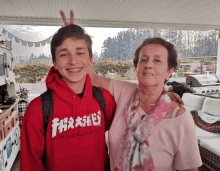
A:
[74, 112]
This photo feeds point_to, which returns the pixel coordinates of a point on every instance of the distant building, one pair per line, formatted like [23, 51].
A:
[41, 59]
[19, 59]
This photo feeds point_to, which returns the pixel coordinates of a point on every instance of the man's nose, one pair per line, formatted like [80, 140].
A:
[73, 58]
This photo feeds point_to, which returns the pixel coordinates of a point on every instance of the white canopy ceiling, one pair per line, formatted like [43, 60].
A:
[183, 14]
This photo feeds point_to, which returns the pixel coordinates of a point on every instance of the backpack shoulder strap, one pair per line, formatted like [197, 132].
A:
[97, 93]
[47, 107]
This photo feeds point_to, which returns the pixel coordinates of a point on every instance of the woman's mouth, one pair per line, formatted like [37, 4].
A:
[147, 74]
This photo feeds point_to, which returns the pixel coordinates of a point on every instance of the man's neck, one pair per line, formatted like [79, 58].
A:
[78, 87]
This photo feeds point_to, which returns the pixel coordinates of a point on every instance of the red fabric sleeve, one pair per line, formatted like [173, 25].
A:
[110, 107]
[32, 138]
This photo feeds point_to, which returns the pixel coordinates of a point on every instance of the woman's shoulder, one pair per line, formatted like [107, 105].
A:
[174, 109]
[182, 121]
[118, 85]
[121, 90]
[124, 83]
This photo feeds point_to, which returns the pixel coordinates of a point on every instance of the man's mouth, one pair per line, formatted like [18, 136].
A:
[74, 70]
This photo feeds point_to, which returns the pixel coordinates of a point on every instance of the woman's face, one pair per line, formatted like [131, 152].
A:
[152, 68]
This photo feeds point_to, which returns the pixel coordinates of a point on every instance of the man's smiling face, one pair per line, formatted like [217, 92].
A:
[72, 60]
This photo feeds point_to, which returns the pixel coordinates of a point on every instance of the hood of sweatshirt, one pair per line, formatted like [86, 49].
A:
[55, 82]
[68, 105]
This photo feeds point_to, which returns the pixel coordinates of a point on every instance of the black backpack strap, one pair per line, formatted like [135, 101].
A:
[97, 93]
[47, 108]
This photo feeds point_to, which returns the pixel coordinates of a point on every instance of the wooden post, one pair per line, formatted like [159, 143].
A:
[218, 57]
[201, 69]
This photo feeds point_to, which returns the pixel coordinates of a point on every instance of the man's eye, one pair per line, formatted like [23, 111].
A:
[79, 53]
[144, 60]
[157, 60]
[63, 55]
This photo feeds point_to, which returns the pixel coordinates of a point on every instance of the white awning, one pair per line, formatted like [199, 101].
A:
[180, 14]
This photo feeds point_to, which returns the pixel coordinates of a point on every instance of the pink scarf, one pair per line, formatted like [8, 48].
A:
[136, 154]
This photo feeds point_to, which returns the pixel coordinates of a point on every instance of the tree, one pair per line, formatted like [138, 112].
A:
[32, 55]
[192, 43]
[207, 62]
[95, 56]
[188, 43]
[43, 56]
[186, 68]
[180, 72]
[123, 46]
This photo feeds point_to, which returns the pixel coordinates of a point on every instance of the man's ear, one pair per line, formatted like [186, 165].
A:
[54, 64]
[91, 61]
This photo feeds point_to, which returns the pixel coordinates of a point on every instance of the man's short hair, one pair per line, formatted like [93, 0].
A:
[69, 31]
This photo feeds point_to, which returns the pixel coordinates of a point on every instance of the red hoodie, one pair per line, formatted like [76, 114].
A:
[75, 138]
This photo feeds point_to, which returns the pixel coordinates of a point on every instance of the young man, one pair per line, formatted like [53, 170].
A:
[75, 136]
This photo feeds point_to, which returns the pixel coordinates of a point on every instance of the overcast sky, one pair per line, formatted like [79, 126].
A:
[39, 33]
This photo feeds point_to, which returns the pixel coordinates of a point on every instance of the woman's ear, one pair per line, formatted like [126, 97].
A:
[171, 71]
[134, 68]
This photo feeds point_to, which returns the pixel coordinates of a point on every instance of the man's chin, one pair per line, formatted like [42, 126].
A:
[75, 80]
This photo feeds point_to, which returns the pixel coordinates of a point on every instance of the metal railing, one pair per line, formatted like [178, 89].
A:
[201, 61]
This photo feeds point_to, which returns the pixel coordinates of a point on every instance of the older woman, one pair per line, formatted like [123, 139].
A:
[155, 133]
[149, 130]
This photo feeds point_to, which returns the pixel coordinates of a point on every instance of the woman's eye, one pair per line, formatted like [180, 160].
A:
[144, 60]
[80, 53]
[157, 60]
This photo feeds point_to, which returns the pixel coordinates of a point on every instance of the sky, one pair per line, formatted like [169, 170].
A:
[39, 33]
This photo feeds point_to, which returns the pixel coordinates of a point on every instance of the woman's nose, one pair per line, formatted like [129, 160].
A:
[149, 64]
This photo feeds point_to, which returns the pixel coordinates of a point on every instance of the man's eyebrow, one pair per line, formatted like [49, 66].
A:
[146, 56]
[64, 49]
[80, 48]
